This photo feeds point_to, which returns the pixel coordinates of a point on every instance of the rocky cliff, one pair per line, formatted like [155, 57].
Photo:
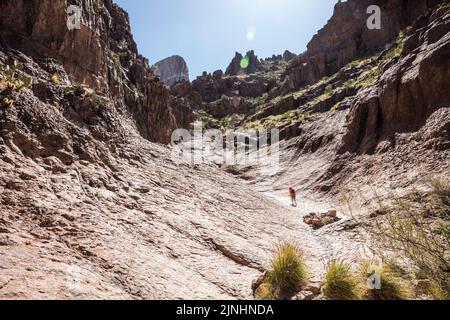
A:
[171, 70]
[101, 54]
[346, 37]
[412, 88]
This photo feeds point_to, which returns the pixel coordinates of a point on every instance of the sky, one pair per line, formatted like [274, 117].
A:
[207, 33]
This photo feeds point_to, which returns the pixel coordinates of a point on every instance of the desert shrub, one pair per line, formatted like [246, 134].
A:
[265, 292]
[349, 84]
[329, 90]
[123, 44]
[287, 275]
[10, 78]
[441, 190]
[393, 287]
[55, 79]
[416, 227]
[98, 7]
[116, 57]
[369, 78]
[7, 102]
[340, 283]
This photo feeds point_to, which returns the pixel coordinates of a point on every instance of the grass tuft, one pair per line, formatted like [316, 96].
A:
[340, 283]
[287, 276]
[55, 79]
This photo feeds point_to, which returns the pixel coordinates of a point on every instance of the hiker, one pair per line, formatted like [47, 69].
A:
[293, 195]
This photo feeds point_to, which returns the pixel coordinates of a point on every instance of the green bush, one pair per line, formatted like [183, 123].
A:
[416, 227]
[287, 276]
[340, 283]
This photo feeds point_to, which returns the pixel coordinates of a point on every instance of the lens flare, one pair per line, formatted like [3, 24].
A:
[251, 33]
[245, 61]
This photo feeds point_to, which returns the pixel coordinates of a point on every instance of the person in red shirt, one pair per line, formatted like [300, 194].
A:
[293, 195]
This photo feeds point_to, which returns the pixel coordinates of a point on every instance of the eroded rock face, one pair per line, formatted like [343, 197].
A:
[212, 87]
[288, 56]
[411, 89]
[101, 54]
[346, 36]
[171, 70]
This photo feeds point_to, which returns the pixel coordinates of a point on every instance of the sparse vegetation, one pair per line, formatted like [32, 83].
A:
[349, 84]
[98, 7]
[78, 89]
[207, 120]
[10, 81]
[287, 275]
[444, 5]
[272, 70]
[82, 91]
[97, 101]
[340, 283]
[9, 78]
[282, 120]
[416, 226]
[230, 122]
[256, 101]
[55, 79]
[358, 64]
[123, 44]
[116, 57]
[135, 88]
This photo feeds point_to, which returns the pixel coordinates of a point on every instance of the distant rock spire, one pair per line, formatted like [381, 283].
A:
[171, 70]
[250, 65]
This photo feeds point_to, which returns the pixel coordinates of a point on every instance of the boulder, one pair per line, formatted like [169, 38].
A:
[303, 296]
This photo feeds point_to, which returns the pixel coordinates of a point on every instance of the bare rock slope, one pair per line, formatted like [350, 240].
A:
[91, 209]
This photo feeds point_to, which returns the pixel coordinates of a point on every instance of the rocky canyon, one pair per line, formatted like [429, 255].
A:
[93, 204]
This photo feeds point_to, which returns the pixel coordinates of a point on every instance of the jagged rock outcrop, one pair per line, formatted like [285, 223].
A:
[101, 54]
[288, 56]
[185, 91]
[213, 87]
[171, 70]
[346, 37]
[252, 64]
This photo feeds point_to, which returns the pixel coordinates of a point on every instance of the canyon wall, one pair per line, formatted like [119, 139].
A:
[346, 37]
[101, 54]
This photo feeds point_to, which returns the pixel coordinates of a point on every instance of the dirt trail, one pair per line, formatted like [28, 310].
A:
[319, 246]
